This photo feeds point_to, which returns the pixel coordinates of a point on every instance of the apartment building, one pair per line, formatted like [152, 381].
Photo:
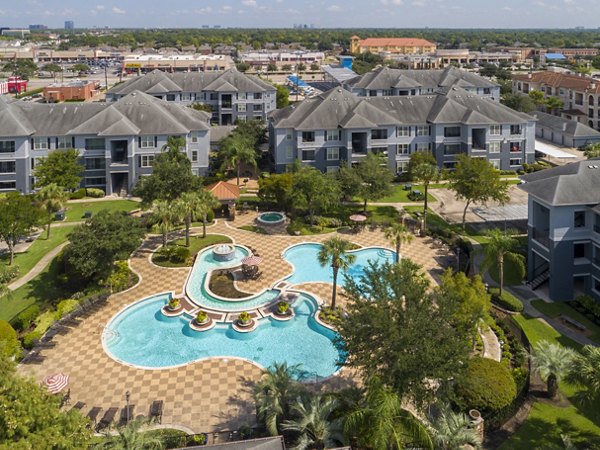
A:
[337, 128]
[564, 229]
[117, 141]
[563, 131]
[405, 46]
[386, 82]
[232, 95]
[580, 95]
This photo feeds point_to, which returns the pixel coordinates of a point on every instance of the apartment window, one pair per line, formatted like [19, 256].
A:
[64, 142]
[333, 135]
[257, 96]
[515, 129]
[495, 163]
[596, 284]
[388, 92]
[186, 96]
[289, 152]
[8, 167]
[487, 91]
[147, 142]
[422, 147]
[214, 96]
[494, 147]
[146, 160]
[7, 185]
[379, 134]
[95, 181]
[288, 136]
[7, 146]
[579, 98]
[241, 107]
[402, 131]
[333, 154]
[515, 162]
[241, 96]
[308, 155]
[515, 147]
[242, 118]
[194, 138]
[372, 93]
[403, 149]
[257, 107]
[95, 144]
[401, 166]
[451, 131]
[308, 136]
[40, 143]
[194, 156]
[451, 149]
[170, 97]
[423, 130]
[579, 219]
[95, 163]
[495, 130]
[579, 250]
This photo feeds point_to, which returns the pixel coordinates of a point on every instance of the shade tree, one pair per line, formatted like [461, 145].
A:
[60, 167]
[18, 217]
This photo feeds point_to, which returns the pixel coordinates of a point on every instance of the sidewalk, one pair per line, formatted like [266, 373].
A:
[38, 268]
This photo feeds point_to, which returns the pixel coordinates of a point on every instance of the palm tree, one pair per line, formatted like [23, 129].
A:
[165, 215]
[237, 150]
[313, 423]
[398, 234]
[207, 203]
[174, 143]
[499, 245]
[129, 437]
[452, 431]
[334, 253]
[50, 199]
[274, 394]
[552, 362]
[382, 424]
[585, 372]
[425, 172]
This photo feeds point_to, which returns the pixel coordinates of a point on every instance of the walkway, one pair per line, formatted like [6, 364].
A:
[38, 268]
[491, 345]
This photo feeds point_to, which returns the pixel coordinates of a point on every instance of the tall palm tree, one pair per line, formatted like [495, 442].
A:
[398, 234]
[174, 143]
[426, 172]
[165, 215]
[50, 199]
[452, 431]
[188, 203]
[552, 362]
[274, 394]
[334, 253]
[314, 425]
[129, 437]
[237, 150]
[382, 424]
[585, 372]
[499, 245]
[207, 203]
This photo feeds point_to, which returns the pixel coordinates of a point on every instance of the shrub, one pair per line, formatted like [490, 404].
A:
[95, 193]
[31, 338]
[78, 194]
[283, 307]
[244, 317]
[589, 306]
[26, 317]
[9, 344]
[198, 439]
[174, 303]
[201, 316]
[45, 321]
[65, 307]
[120, 278]
[506, 301]
[416, 197]
[486, 385]
[180, 254]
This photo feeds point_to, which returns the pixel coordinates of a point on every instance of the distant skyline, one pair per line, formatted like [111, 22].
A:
[286, 13]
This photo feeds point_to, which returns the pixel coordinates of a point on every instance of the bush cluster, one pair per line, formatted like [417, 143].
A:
[95, 193]
[588, 306]
[9, 344]
[506, 300]
[174, 254]
[26, 317]
[78, 194]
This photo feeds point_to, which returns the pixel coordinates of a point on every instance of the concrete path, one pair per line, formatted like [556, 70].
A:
[491, 345]
[38, 268]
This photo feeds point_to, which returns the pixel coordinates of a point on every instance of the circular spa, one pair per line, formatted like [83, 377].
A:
[224, 252]
[271, 218]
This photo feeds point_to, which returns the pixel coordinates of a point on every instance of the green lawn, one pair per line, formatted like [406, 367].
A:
[400, 195]
[76, 210]
[38, 249]
[197, 243]
[536, 330]
[556, 309]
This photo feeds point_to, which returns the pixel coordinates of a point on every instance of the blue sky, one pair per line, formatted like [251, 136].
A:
[321, 13]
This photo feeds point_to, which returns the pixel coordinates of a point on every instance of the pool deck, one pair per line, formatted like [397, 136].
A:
[206, 396]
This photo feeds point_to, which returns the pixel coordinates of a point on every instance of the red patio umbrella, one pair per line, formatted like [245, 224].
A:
[252, 260]
[56, 383]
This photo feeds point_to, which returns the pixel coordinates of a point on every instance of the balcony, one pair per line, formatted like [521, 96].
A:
[597, 228]
[542, 237]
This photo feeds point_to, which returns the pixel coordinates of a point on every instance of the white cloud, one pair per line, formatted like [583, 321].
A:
[334, 8]
[507, 8]
[100, 7]
[118, 10]
[206, 10]
[249, 3]
[419, 3]
[392, 2]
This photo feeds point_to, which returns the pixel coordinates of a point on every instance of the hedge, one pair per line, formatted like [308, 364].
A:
[9, 344]
[506, 300]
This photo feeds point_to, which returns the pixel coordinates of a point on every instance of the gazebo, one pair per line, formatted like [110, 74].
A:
[227, 194]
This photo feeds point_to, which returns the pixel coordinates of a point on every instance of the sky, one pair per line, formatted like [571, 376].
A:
[286, 13]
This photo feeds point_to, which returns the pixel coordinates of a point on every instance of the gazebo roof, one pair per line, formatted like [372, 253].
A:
[224, 191]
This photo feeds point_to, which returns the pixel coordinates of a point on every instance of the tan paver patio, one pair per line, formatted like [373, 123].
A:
[205, 396]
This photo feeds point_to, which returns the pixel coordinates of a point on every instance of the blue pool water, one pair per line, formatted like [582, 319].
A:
[304, 258]
[143, 336]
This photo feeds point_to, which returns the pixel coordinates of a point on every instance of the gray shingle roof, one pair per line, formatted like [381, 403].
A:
[134, 114]
[571, 127]
[571, 184]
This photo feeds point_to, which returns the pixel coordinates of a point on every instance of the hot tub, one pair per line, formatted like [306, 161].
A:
[271, 218]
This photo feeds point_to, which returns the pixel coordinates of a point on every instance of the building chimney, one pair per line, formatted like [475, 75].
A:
[529, 75]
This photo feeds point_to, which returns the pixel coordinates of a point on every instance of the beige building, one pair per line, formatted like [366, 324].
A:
[404, 46]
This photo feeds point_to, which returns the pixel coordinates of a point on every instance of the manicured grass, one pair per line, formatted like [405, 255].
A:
[38, 249]
[400, 195]
[197, 243]
[76, 210]
[536, 331]
[557, 309]
[223, 285]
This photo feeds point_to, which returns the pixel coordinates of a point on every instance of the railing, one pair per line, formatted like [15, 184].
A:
[542, 237]
[597, 228]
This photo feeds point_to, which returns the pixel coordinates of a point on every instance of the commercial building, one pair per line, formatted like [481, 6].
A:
[232, 95]
[69, 25]
[405, 46]
[76, 90]
[37, 27]
[564, 229]
[396, 82]
[13, 85]
[580, 95]
[260, 60]
[561, 131]
[142, 63]
[16, 32]
[117, 141]
[337, 127]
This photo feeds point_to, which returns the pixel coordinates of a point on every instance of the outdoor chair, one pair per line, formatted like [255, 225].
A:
[156, 410]
[94, 413]
[107, 419]
[78, 406]
[126, 415]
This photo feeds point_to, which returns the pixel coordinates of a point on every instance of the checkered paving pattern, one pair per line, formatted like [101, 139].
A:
[205, 396]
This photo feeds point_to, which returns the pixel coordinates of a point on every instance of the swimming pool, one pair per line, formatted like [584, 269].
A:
[141, 335]
[304, 258]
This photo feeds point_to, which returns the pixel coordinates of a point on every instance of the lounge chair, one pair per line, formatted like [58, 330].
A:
[94, 413]
[126, 415]
[156, 410]
[107, 419]
[78, 406]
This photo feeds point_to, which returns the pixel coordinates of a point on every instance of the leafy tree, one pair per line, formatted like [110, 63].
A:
[9, 344]
[554, 104]
[585, 373]
[59, 167]
[423, 168]
[314, 67]
[314, 424]
[334, 253]
[301, 67]
[171, 175]
[552, 362]
[274, 395]
[282, 96]
[375, 178]
[24, 68]
[314, 191]
[166, 214]
[243, 67]
[276, 188]
[398, 234]
[130, 437]
[271, 67]
[197, 106]
[255, 131]
[380, 423]
[31, 418]
[237, 150]
[500, 244]
[18, 216]
[80, 67]
[53, 68]
[94, 246]
[399, 331]
[519, 102]
[286, 67]
[7, 274]
[452, 431]
[537, 97]
[50, 199]
[592, 150]
[475, 180]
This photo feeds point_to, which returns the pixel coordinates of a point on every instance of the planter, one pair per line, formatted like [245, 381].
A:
[244, 326]
[205, 325]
